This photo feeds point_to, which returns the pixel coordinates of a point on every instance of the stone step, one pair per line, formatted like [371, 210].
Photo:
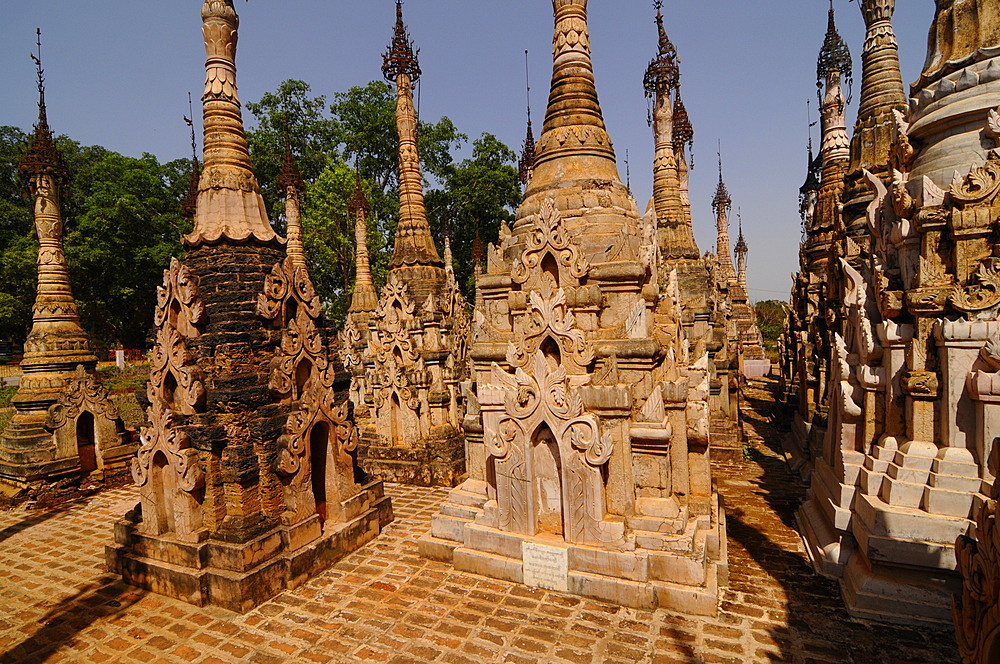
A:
[436, 548]
[947, 502]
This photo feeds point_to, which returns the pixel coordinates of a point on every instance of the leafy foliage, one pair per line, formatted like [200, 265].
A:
[771, 320]
[361, 128]
[477, 195]
[122, 224]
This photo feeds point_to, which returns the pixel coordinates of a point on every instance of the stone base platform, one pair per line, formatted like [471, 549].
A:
[241, 575]
[686, 578]
[756, 368]
[435, 462]
[28, 454]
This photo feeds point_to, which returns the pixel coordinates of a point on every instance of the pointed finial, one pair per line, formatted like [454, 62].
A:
[189, 119]
[401, 58]
[628, 173]
[42, 157]
[478, 252]
[189, 206]
[358, 201]
[663, 73]
[290, 175]
[722, 200]
[835, 56]
[683, 131]
[527, 161]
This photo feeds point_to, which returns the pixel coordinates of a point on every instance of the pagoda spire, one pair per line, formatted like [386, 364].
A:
[364, 299]
[56, 344]
[526, 164]
[574, 111]
[741, 250]
[722, 203]
[833, 68]
[683, 142]
[230, 207]
[671, 131]
[189, 206]
[881, 93]
[55, 310]
[414, 244]
[290, 181]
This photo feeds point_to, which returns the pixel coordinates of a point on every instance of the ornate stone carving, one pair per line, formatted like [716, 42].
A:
[549, 237]
[532, 402]
[290, 299]
[981, 186]
[178, 301]
[977, 611]
[549, 318]
[174, 376]
[163, 435]
[921, 384]
[982, 294]
[83, 392]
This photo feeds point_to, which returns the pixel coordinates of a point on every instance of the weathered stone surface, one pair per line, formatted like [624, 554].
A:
[591, 421]
[64, 425]
[385, 603]
[906, 274]
[407, 350]
[246, 471]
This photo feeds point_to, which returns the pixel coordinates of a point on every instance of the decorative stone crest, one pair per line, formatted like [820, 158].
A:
[178, 300]
[174, 376]
[548, 237]
[982, 294]
[289, 298]
[977, 611]
[549, 318]
[83, 392]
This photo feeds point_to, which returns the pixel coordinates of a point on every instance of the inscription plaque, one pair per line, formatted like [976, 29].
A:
[545, 566]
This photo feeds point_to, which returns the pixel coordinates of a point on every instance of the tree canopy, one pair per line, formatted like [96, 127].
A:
[123, 219]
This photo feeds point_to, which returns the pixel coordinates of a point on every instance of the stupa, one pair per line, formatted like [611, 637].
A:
[408, 354]
[584, 480]
[65, 423]
[246, 471]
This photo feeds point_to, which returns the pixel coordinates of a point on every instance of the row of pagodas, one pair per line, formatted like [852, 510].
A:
[572, 410]
[891, 354]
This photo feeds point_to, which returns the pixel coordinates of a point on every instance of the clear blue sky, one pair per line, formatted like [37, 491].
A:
[118, 74]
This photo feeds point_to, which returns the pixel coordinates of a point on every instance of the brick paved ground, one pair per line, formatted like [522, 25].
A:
[386, 604]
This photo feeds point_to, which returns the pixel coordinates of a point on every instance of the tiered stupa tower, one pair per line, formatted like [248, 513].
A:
[408, 365]
[752, 358]
[245, 471]
[585, 472]
[64, 422]
[722, 205]
[817, 284]
[703, 306]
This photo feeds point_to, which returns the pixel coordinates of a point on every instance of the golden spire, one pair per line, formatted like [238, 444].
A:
[574, 125]
[56, 343]
[365, 299]
[230, 207]
[290, 181]
[671, 132]
[722, 203]
[414, 244]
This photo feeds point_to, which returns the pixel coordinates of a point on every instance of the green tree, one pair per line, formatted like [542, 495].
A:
[17, 248]
[477, 193]
[313, 135]
[771, 320]
[128, 227]
[359, 127]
